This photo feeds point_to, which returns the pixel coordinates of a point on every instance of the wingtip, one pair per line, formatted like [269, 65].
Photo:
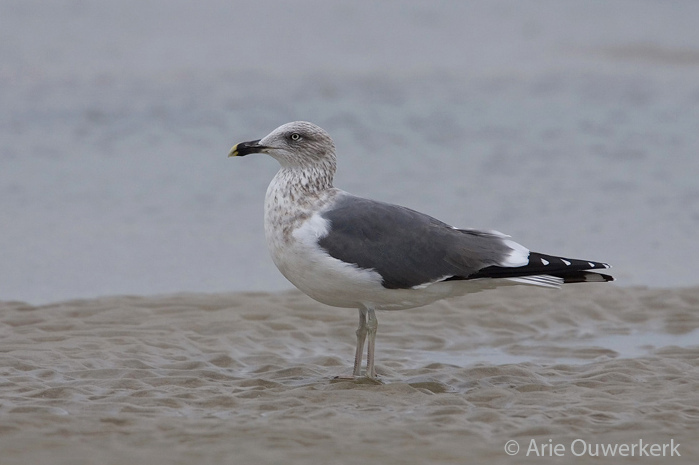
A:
[588, 277]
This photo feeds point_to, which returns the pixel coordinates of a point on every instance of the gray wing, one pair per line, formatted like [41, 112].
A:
[405, 247]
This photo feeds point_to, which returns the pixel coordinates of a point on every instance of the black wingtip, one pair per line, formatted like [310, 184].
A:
[584, 277]
[569, 269]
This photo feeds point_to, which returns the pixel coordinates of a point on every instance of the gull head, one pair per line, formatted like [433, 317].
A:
[298, 144]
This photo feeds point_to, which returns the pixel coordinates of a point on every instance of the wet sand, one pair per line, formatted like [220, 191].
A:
[250, 378]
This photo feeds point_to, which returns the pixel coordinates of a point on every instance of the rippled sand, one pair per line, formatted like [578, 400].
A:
[249, 378]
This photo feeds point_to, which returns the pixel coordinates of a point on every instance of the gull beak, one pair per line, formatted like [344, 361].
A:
[246, 148]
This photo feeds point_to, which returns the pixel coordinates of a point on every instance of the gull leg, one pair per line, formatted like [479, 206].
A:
[361, 337]
[372, 326]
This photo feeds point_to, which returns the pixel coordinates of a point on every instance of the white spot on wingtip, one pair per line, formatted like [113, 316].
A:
[592, 265]
[565, 261]
[545, 262]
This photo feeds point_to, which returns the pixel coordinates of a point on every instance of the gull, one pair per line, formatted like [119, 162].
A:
[348, 251]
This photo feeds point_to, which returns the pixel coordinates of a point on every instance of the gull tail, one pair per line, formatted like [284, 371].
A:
[549, 271]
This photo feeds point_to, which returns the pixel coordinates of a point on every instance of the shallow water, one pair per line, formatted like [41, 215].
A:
[115, 124]
[581, 351]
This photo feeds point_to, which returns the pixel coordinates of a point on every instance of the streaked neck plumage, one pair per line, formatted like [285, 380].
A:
[294, 193]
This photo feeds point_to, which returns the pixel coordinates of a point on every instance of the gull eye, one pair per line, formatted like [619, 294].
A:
[295, 136]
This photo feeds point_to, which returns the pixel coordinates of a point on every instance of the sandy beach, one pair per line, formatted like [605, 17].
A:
[250, 378]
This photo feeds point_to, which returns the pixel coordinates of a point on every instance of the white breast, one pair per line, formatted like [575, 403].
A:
[293, 228]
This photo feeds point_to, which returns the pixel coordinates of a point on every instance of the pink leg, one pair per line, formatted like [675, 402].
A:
[372, 326]
[361, 337]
